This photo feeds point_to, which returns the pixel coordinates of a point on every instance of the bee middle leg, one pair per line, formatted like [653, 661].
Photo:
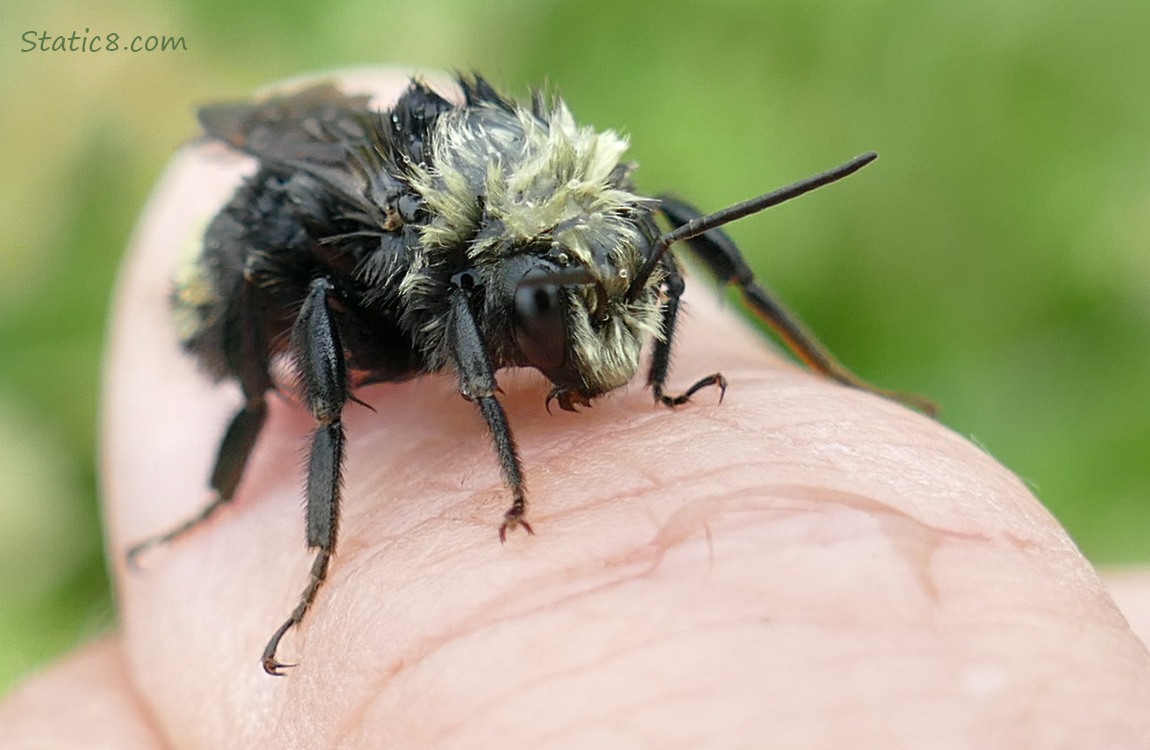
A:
[323, 371]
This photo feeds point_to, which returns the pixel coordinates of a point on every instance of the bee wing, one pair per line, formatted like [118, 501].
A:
[314, 125]
[318, 130]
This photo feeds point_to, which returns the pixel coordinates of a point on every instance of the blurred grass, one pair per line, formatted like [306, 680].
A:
[996, 257]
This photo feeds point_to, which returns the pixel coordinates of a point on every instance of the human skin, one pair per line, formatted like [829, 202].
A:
[803, 565]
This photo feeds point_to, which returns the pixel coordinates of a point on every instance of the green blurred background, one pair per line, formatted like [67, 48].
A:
[996, 257]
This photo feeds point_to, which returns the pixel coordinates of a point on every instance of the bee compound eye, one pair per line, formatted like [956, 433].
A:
[540, 328]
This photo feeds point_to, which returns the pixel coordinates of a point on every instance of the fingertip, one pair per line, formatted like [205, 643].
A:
[1131, 591]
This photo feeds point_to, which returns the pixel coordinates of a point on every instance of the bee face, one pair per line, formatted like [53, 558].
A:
[574, 321]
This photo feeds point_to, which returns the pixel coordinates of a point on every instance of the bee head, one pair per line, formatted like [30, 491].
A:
[555, 235]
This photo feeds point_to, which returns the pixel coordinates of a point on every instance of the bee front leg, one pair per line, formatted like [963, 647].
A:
[323, 372]
[477, 383]
[661, 356]
[718, 252]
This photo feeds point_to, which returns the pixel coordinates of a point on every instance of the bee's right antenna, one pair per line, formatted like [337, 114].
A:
[703, 224]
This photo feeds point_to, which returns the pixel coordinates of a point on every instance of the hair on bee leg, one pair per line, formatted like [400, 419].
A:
[323, 373]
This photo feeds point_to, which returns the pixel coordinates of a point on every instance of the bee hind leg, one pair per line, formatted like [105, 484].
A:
[243, 431]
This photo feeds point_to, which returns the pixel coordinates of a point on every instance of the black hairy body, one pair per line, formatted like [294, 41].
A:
[465, 236]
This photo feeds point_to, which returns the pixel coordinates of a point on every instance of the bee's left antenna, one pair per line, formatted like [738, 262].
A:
[703, 224]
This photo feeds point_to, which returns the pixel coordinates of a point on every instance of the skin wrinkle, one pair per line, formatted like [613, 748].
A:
[616, 654]
[934, 469]
[475, 629]
[634, 648]
[916, 552]
[508, 606]
[858, 501]
[494, 612]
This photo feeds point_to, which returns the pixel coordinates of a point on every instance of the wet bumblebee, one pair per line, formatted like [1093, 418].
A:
[467, 236]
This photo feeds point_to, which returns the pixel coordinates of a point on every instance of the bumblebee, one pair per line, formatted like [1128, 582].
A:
[464, 235]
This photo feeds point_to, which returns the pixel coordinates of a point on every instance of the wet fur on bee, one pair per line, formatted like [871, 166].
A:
[465, 235]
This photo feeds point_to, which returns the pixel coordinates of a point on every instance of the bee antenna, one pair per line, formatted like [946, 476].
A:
[703, 224]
